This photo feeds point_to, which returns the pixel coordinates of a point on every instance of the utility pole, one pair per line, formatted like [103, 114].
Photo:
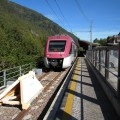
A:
[91, 35]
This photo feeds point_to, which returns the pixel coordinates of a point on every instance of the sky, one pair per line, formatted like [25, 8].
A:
[101, 17]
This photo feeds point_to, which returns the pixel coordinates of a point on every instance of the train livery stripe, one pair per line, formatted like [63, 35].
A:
[68, 106]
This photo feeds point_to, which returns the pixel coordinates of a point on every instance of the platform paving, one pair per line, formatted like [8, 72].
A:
[84, 98]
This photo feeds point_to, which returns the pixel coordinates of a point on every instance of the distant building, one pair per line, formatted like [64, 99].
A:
[113, 39]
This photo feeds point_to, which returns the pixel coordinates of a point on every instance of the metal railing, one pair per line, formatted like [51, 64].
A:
[106, 59]
[13, 73]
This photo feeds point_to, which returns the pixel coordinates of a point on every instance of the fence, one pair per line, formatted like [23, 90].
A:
[106, 60]
[13, 73]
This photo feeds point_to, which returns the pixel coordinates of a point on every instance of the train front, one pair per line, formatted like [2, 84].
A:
[56, 51]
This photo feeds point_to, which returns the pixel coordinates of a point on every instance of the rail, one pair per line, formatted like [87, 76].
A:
[10, 75]
[106, 59]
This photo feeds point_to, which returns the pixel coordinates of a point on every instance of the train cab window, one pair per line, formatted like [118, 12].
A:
[57, 46]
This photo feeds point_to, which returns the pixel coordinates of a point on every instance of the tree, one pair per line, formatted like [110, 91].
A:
[101, 41]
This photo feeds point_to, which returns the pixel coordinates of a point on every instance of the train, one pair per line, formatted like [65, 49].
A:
[60, 51]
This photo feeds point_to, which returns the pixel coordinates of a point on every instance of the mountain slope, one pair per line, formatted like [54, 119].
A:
[23, 33]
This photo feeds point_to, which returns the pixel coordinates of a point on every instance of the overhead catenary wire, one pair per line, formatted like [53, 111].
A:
[81, 10]
[85, 17]
[63, 14]
[54, 13]
[59, 8]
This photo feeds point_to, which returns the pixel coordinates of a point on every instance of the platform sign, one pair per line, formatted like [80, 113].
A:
[23, 91]
[30, 88]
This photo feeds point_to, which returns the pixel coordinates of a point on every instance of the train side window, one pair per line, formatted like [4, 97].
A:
[70, 49]
[73, 49]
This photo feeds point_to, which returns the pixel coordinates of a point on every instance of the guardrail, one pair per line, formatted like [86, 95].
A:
[106, 59]
[13, 73]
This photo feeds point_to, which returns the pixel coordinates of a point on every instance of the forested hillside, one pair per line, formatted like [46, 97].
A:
[23, 33]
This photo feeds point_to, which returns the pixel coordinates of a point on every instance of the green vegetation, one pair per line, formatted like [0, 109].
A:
[23, 33]
[101, 42]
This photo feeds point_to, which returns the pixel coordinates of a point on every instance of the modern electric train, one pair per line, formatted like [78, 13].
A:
[60, 51]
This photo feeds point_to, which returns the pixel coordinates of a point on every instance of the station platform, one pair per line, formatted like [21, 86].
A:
[84, 98]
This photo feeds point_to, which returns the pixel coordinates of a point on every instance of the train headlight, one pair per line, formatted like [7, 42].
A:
[60, 61]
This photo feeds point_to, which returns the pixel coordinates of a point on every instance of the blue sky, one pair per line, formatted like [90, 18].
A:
[76, 15]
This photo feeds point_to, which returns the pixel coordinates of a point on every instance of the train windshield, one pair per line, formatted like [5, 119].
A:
[57, 46]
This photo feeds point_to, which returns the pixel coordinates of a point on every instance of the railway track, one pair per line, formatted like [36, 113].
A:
[51, 82]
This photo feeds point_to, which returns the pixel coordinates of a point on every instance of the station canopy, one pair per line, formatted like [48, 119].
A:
[84, 44]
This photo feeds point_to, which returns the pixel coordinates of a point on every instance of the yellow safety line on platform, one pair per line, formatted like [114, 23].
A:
[70, 98]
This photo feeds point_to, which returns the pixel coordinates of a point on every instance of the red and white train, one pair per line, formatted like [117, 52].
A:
[60, 51]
